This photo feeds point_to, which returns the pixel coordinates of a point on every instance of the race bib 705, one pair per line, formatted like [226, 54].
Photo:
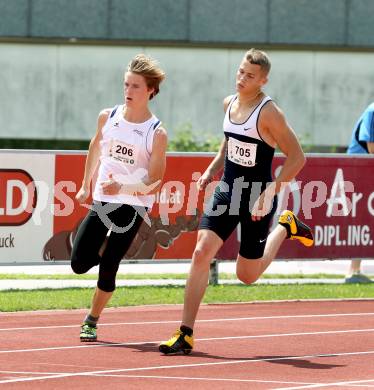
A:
[242, 153]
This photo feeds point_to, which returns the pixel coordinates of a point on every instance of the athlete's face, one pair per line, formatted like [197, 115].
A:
[249, 78]
[135, 90]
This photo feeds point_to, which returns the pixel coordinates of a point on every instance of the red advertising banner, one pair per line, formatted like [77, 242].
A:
[335, 197]
[337, 200]
[334, 194]
[174, 217]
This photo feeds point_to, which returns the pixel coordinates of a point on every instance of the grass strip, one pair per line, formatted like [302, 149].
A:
[222, 275]
[76, 298]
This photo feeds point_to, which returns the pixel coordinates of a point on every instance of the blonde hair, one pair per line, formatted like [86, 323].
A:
[149, 69]
[260, 58]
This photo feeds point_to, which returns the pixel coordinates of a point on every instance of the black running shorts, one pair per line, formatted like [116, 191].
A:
[221, 217]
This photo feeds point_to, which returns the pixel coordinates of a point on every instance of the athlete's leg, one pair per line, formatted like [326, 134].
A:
[207, 245]
[99, 301]
[116, 247]
[87, 242]
[213, 231]
[253, 259]
[85, 254]
[355, 267]
[249, 270]
[355, 275]
[126, 223]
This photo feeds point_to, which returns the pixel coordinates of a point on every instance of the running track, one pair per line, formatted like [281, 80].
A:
[283, 345]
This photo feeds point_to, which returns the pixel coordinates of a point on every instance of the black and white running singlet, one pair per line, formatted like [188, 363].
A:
[247, 155]
[247, 170]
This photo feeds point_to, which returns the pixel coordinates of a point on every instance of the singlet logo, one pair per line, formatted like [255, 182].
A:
[140, 133]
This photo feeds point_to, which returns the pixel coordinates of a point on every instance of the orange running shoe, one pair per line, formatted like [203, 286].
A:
[296, 230]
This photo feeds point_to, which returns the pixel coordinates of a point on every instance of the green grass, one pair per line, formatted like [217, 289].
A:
[91, 276]
[222, 275]
[48, 299]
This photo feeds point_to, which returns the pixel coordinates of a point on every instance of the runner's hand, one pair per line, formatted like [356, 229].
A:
[204, 180]
[110, 186]
[262, 206]
[82, 195]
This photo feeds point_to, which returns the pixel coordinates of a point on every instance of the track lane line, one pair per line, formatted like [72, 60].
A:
[198, 321]
[207, 364]
[101, 345]
[344, 383]
[31, 372]
[200, 378]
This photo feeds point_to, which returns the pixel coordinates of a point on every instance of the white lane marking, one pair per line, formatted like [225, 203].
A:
[345, 383]
[160, 377]
[200, 378]
[231, 362]
[199, 321]
[31, 372]
[334, 332]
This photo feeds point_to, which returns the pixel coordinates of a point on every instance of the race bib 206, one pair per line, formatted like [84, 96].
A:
[123, 152]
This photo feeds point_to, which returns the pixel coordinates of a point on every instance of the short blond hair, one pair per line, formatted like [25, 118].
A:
[258, 57]
[149, 69]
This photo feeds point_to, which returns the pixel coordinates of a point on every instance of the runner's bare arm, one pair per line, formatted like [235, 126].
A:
[214, 167]
[92, 157]
[276, 131]
[370, 147]
[218, 162]
[157, 162]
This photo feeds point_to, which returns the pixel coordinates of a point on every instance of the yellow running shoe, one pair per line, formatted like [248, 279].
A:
[296, 230]
[178, 343]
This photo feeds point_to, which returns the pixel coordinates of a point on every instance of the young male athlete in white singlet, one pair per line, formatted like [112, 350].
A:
[130, 146]
[253, 127]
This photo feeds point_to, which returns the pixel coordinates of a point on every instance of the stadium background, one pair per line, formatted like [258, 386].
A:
[62, 61]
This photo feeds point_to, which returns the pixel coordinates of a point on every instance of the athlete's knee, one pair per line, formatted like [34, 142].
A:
[247, 278]
[107, 285]
[249, 272]
[201, 254]
[107, 277]
[80, 268]
[79, 265]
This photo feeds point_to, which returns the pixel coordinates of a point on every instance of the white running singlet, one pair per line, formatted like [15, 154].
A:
[126, 148]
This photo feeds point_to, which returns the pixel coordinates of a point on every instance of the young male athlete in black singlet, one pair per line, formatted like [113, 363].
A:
[253, 127]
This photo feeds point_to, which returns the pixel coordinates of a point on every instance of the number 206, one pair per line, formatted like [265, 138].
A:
[123, 150]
